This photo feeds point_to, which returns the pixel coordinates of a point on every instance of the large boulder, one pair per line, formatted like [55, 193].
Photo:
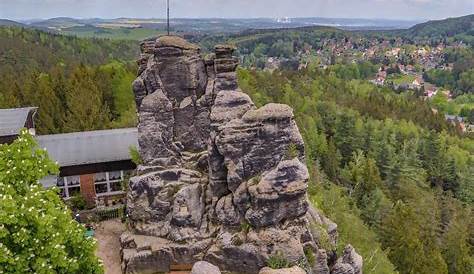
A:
[203, 267]
[292, 270]
[222, 180]
[279, 195]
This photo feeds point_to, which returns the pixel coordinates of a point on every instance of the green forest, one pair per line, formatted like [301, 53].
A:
[78, 84]
[391, 172]
[456, 29]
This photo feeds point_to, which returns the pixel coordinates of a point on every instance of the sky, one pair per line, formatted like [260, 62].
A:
[382, 9]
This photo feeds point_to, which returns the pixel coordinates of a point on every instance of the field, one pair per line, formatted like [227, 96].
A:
[399, 79]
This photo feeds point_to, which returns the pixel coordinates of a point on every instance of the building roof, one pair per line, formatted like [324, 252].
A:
[454, 118]
[72, 149]
[13, 120]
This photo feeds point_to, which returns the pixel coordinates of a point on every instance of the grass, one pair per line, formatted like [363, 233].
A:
[278, 261]
[399, 79]
[309, 254]
[245, 227]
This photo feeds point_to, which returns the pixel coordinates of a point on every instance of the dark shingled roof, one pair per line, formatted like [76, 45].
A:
[13, 120]
[102, 146]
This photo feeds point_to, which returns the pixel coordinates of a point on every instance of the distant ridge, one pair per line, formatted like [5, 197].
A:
[59, 22]
[447, 27]
[10, 23]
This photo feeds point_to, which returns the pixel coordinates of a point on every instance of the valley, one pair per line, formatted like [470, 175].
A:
[384, 110]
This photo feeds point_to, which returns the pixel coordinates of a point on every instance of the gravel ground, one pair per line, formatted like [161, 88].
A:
[108, 234]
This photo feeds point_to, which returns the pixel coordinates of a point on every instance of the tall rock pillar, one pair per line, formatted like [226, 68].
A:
[222, 180]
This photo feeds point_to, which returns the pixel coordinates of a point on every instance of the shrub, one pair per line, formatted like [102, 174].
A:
[292, 151]
[277, 261]
[135, 155]
[309, 254]
[37, 232]
[77, 203]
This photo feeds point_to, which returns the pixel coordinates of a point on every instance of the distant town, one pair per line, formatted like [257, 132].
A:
[404, 65]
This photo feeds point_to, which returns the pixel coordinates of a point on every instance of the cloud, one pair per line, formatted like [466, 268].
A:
[393, 9]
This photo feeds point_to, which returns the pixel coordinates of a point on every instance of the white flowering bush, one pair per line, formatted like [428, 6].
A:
[37, 232]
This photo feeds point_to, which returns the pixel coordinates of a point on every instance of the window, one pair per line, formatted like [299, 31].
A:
[69, 186]
[101, 183]
[115, 175]
[74, 191]
[100, 177]
[108, 182]
[101, 188]
[60, 182]
[73, 180]
[116, 186]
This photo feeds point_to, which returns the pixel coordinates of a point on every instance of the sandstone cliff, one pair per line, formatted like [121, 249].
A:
[222, 181]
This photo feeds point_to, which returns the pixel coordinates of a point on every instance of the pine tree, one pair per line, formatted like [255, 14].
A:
[451, 178]
[49, 119]
[85, 107]
[331, 161]
[407, 236]
[456, 239]
[365, 184]
[344, 137]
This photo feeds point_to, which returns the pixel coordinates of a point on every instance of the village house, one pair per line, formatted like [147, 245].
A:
[273, 63]
[448, 94]
[430, 90]
[393, 52]
[402, 68]
[457, 121]
[422, 52]
[417, 83]
[470, 128]
[380, 78]
[12, 121]
[410, 69]
[92, 164]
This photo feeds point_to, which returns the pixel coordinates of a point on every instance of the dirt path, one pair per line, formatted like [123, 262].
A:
[108, 235]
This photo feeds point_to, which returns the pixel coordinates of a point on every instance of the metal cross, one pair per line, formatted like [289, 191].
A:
[168, 16]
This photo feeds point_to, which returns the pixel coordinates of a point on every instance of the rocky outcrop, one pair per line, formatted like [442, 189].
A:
[349, 263]
[292, 270]
[203, 267]
[222, 180]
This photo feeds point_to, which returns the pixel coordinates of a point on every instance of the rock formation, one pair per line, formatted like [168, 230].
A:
[203, 267]
[292, 270]
[222, 181]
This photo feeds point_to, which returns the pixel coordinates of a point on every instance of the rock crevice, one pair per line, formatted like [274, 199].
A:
[222, 181]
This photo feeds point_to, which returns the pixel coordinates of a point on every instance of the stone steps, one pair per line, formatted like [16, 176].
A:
[180, 269]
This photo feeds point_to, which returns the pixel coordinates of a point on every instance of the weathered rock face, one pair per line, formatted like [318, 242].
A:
[349, 263]
[203, 267]
[222, 181]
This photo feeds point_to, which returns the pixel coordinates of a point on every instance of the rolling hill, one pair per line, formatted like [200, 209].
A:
[25, 48]
[10, 23]
[444, 28]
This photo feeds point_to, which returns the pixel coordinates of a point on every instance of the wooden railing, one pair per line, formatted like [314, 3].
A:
[104, 214]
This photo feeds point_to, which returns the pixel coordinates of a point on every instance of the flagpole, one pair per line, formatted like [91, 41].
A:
[168, 16]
